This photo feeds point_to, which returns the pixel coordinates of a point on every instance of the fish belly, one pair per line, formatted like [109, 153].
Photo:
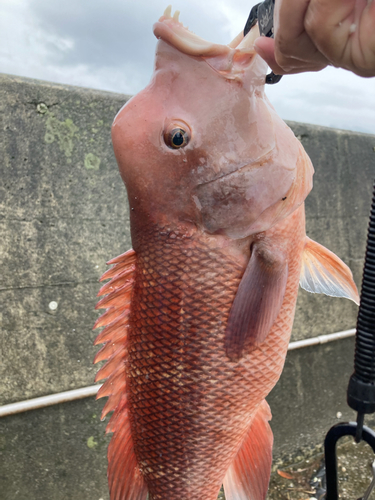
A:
[190, 407]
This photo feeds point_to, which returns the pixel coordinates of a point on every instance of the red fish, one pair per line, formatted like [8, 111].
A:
[199, 313]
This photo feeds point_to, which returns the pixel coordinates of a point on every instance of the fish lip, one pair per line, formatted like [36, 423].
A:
[171, 30]
[186, 41]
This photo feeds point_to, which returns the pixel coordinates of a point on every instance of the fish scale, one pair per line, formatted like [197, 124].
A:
[188, 403]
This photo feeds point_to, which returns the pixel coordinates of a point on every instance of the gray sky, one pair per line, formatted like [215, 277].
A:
[109, 45]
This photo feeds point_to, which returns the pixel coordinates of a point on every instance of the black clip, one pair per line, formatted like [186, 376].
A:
[263, 14]
[334, 434]
[252, 19]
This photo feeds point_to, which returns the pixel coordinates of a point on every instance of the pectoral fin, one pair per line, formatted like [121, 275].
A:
[258, 301]
[323, 272]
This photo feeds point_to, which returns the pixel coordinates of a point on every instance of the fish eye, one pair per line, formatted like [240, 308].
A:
[176, 137]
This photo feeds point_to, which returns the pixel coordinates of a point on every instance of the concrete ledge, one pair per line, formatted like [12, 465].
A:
[56, 453]
[59, 452]
[63, 213]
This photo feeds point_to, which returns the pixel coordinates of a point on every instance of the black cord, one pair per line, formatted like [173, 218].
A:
[361, 389]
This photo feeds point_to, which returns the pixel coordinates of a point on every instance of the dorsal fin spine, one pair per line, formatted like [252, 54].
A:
[111, 315]
[117, 281]
[120, 296]
[105, 352]
[114, 332]
[129, 256]
[114, 361]
[115, 380]
[124, 477]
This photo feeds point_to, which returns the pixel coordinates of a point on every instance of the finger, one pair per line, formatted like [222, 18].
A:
[265, 48]
[289, 19]
[323, 15]
[293, 47]
[344, 31]
[365, 41]
[326, 19]
[304, 54]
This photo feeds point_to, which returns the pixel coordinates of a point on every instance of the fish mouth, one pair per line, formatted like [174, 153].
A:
[171, 30]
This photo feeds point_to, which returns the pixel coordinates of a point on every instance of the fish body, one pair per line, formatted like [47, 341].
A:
[200, 404]
[199, 313]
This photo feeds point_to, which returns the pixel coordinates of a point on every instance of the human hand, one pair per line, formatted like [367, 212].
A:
[312, 34]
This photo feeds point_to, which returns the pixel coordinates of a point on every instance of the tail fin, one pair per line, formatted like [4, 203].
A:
[124, 476]
[249, 474]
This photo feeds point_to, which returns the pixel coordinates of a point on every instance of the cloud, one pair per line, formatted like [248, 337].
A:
[93, 42]
[116, 34]
[333, 98]
[110, 45]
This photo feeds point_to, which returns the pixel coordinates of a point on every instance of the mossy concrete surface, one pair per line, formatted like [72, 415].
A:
[310, 396]
[59, 453]
[56, 453]
[63, 214]
[337, 211]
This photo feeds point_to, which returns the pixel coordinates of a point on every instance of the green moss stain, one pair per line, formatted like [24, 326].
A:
[42, 108]
[99, 125]
[49, 138]
[91, 443]
[92, 162]
[64, 132]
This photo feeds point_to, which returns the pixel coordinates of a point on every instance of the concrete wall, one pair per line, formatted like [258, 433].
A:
[63, 214]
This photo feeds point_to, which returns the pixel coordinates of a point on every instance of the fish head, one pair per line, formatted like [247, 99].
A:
[201, 144]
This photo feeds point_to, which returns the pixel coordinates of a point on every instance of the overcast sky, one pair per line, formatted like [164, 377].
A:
[109, 45]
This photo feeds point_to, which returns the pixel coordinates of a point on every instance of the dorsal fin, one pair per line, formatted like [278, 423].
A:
[124, 477]
[323, 272]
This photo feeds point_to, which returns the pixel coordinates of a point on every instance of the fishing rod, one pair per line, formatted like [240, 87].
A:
[361, 389]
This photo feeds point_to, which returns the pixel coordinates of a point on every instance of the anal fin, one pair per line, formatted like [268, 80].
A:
[258, 300]
[248, 476]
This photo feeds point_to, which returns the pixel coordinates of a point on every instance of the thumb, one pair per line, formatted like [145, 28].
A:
[265, 47]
